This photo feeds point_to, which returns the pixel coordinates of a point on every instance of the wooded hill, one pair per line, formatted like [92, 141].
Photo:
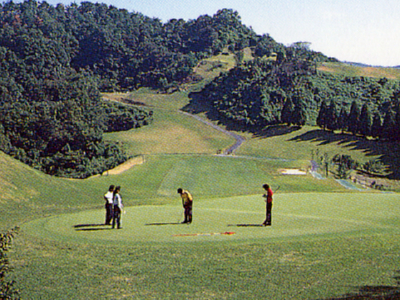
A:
[55, 61]
[293, 91]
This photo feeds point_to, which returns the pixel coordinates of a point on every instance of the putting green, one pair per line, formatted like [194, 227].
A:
[295, 216]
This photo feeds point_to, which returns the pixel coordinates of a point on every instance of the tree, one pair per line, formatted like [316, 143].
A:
[299, 115]
[342, 120]
[365, 123]
[354, 117]
[287, 112]
[376, 128]
[332, 117]
[389, 125]
[322, 115]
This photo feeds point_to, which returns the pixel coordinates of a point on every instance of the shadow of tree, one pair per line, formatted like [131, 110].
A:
[381, 292]
[197, 105]
[387, 151]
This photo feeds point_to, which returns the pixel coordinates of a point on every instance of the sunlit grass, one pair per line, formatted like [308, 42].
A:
[351, 70]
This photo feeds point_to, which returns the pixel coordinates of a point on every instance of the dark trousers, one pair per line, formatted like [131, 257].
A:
[116, 217]
[109, 213]
[268, 214]
[188, 214]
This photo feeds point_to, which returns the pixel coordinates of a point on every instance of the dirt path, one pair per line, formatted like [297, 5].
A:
[239, 139]
[138, 160]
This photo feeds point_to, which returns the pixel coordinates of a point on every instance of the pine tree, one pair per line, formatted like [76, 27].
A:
[342, 120]
[389, 123]
[321, 119]
[299, 115]
[365, 124]
[287, 112]
[354, 117]
[331, 117]
[376, 128]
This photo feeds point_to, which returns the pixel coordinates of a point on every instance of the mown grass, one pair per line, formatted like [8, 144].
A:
[320, 246]
[325, 241]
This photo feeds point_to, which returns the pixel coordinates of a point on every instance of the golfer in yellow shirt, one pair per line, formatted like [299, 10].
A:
[187, 203]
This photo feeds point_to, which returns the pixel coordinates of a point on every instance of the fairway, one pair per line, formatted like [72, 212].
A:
[295, 217]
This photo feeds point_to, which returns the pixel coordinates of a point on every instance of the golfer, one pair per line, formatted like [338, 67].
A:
[108, 197]
[268, 200]
[187, 203]
[118, 206]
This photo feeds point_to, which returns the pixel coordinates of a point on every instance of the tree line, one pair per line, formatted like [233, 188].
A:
[368, 120]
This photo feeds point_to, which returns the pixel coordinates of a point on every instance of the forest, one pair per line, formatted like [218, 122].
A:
[55, 61]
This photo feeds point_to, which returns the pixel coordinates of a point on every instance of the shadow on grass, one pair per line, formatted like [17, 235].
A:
[197, 106]
[387, 151]
[246, 225]
[91, 227]
[161, 224]
[381, 292]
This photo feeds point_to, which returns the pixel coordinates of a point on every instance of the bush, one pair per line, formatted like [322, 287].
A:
[7, 288]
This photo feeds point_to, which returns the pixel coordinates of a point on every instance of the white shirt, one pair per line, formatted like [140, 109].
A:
[109, 197]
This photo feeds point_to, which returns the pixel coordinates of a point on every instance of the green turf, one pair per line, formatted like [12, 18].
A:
[296, 216]
[320, 246]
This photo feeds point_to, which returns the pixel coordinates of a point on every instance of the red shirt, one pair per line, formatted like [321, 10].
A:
[269, 195]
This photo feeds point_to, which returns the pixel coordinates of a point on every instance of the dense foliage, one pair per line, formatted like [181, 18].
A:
[288, 89]
[54, 61]
[7, 287]
[270, 89]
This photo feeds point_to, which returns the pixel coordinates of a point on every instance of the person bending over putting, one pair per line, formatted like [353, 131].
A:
[187, 202]
[118, 206]
[268, 200]
[108, 197]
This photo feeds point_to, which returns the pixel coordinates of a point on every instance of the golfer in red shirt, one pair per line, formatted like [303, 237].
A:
[268, 200]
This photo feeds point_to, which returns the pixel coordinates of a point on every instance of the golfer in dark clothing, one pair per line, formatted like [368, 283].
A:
[268, 200]
[118, 206]
[108, 197]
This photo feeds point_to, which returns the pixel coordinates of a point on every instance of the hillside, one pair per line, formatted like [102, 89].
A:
[365, 71]
[55, 61]
[56, 121]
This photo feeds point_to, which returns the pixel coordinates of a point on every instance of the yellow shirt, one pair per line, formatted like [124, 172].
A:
[186, 198]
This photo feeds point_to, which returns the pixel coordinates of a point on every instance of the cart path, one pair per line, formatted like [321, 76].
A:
[239, 139]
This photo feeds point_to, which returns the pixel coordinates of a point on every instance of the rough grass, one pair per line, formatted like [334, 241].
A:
[350, 70]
